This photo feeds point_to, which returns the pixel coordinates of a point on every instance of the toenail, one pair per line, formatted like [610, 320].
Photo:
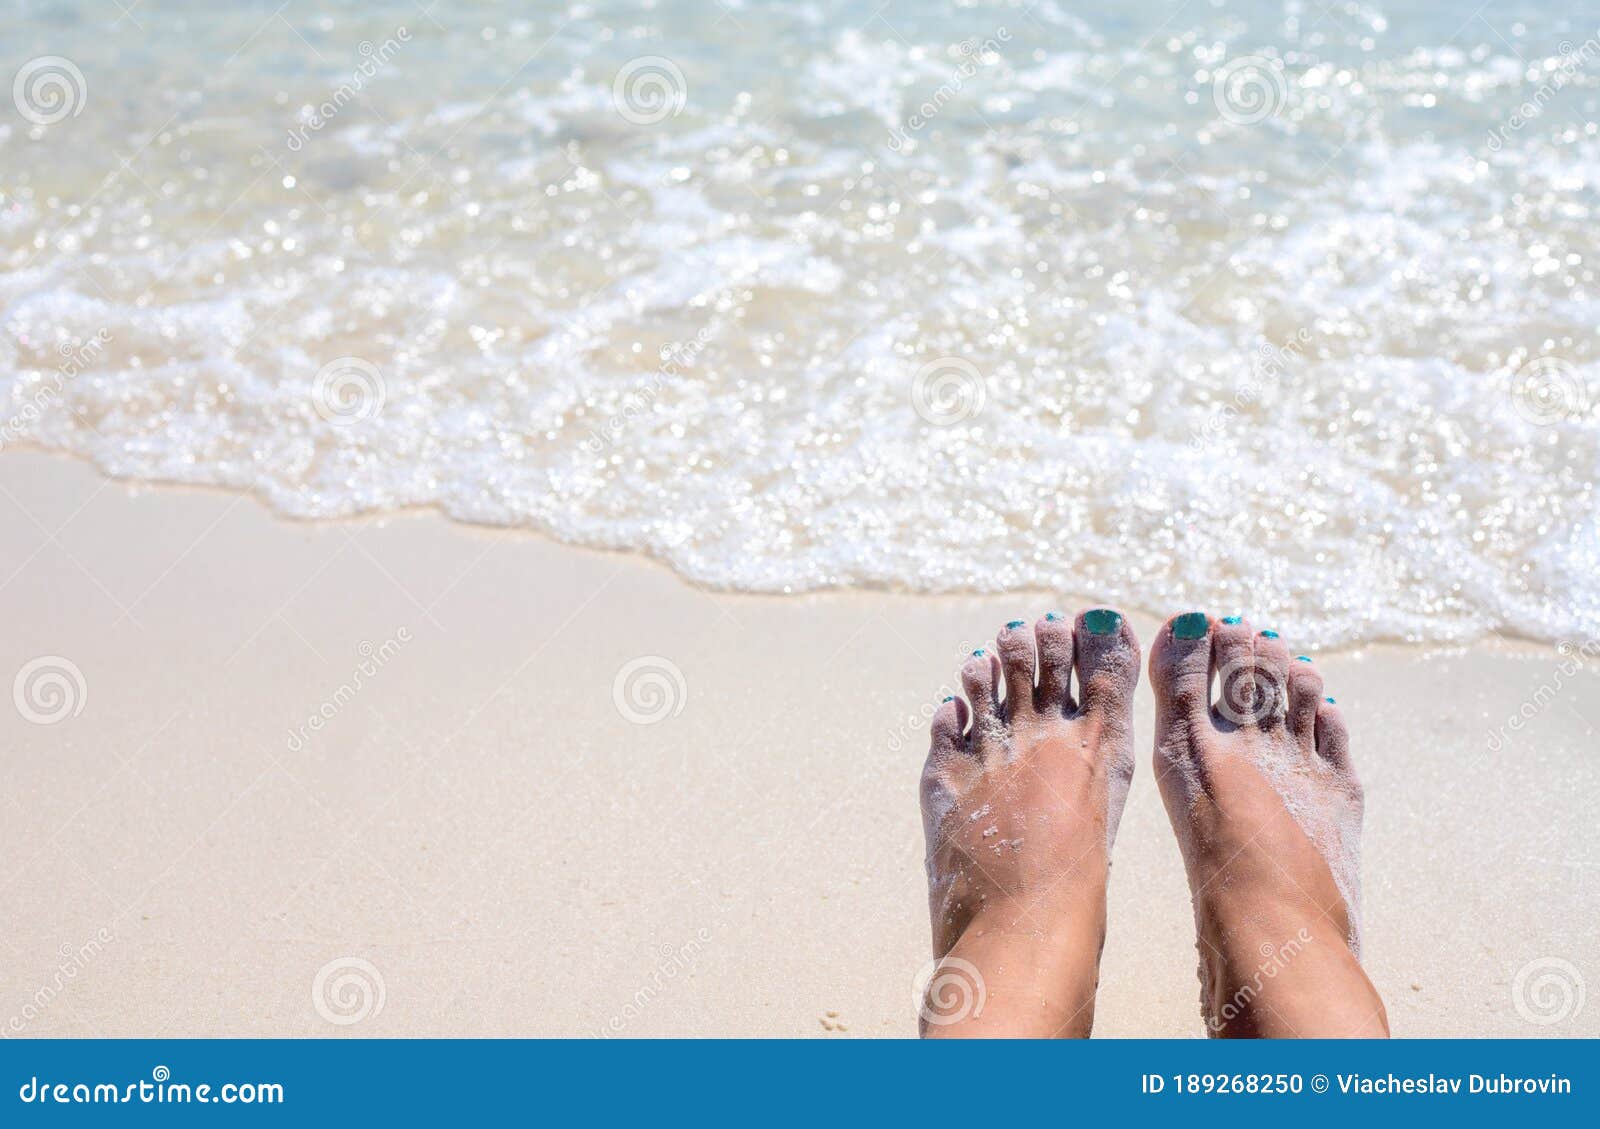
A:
[1102, 621]
[1191, 625]
[1051, 616]
[1233, 620]
[1269, 634]
[1013, 625]
[952, 698]
[979, 653]
[1330, 701]
[1302, 658]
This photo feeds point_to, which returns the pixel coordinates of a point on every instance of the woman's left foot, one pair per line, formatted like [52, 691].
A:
[1020, 814]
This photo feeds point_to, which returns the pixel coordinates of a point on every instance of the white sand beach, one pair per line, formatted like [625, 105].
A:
[479, 821]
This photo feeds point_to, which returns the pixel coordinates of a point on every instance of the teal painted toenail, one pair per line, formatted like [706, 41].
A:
[1102, 621]
[1051, 616]
[1233, 620]
[1191, 625]
[952, 698]
[1013, 624]
[1330, 701]
[1269, 634]
[1302, 658]
[978, 654]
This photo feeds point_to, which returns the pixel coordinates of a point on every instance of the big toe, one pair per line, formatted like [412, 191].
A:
[1180, 665]
[1106, 653]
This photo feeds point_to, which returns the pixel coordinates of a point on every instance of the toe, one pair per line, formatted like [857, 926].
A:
[1305, 696]
[1233, 663]
[948, 730]
[1106, 653]
[1053, 634]
[1180, 664]
[1272, 678]
[980, 678]
[1333, 739]
[1015, 644]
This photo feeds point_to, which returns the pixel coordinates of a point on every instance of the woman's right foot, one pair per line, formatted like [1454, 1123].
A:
[1267, 810]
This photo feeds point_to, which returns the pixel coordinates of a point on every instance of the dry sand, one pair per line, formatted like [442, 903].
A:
[514, 856]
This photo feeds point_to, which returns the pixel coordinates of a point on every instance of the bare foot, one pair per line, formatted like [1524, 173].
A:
[1267, 809]
[1020, 814]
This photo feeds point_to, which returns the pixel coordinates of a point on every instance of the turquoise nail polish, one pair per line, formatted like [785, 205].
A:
[1051, 616]
[1269, 634]
[952, 698]
[1330, 701]
[1191, 625]
[979, 653]
[1233, 620]
[1013, 624]
[1102, 621]
[1302, 658]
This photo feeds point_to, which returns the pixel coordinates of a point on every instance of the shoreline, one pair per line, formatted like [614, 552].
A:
[585, 790]
[136, 486]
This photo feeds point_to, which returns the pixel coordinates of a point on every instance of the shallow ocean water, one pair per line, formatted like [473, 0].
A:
[1270, 307]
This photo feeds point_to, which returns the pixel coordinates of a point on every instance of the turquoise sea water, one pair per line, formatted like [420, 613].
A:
[1275, 307]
